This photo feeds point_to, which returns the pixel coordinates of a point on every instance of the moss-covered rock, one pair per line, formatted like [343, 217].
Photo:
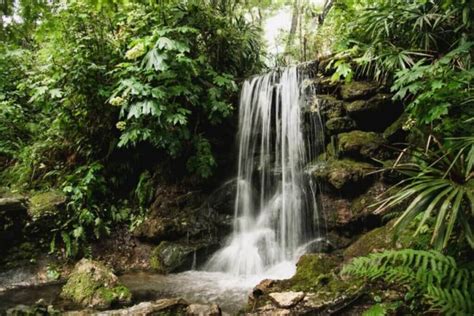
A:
[169, 256]
[342, 174]
[360, 144]
[377, 240]
[316, 279]
[358, 90]
[338, 125]
[92, 285]
[329, 107]
[46, 203]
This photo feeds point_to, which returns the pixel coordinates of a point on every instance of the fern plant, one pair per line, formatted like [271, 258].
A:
[446, 287]
[440, 187]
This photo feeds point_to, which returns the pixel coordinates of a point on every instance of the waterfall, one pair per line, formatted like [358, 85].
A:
[275, 208]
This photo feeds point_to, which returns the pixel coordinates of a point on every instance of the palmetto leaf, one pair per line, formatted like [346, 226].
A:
[439, 186]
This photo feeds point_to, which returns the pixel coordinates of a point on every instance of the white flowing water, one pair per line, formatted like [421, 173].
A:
[275, 207]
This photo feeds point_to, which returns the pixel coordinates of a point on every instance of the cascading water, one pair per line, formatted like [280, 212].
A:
[275, 207]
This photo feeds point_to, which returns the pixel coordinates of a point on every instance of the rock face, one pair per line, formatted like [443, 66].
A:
[186, 226]
[92, 285]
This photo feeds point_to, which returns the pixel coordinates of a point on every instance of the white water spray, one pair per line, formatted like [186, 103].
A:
[275, 207]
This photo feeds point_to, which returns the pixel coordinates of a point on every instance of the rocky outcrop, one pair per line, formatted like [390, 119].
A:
[343, 175]
[315, 288]
[186, 226]
[92, 285]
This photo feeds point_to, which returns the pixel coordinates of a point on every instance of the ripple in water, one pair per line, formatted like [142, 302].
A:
[229, 291]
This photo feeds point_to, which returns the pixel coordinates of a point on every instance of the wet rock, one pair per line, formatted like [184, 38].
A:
[343, 175]
[360, 144]
[92, 285]
[222, 199]
[358, 90]
[173, 306]
[324, 85]
[168, 257]
[286, 299]
[203, 310]
[262, 288]
[338, 125]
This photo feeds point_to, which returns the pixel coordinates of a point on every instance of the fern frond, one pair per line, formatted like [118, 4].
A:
[447, 287]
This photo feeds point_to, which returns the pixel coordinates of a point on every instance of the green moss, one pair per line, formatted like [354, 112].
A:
[358, 90]
[46, 203]
[91, 284]
[340, 124]
[312, 271]
[361, 144]
[343, 173]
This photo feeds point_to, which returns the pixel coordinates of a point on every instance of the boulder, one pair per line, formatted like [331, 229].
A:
[169, 257]
[286, 299]
[360, 144]
[343, 175]
[358, 90]
[338, 125]
[203, 310]
[93, 285]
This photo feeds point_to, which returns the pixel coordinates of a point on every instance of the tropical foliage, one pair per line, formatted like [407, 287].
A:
[439, 187]
[442, 284]
[95, 96]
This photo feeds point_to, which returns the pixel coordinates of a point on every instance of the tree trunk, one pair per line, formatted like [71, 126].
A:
[294, 24]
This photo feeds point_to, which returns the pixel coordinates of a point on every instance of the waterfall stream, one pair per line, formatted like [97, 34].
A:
[276, 211]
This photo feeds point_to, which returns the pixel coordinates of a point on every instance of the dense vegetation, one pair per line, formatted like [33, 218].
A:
[102, 99]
